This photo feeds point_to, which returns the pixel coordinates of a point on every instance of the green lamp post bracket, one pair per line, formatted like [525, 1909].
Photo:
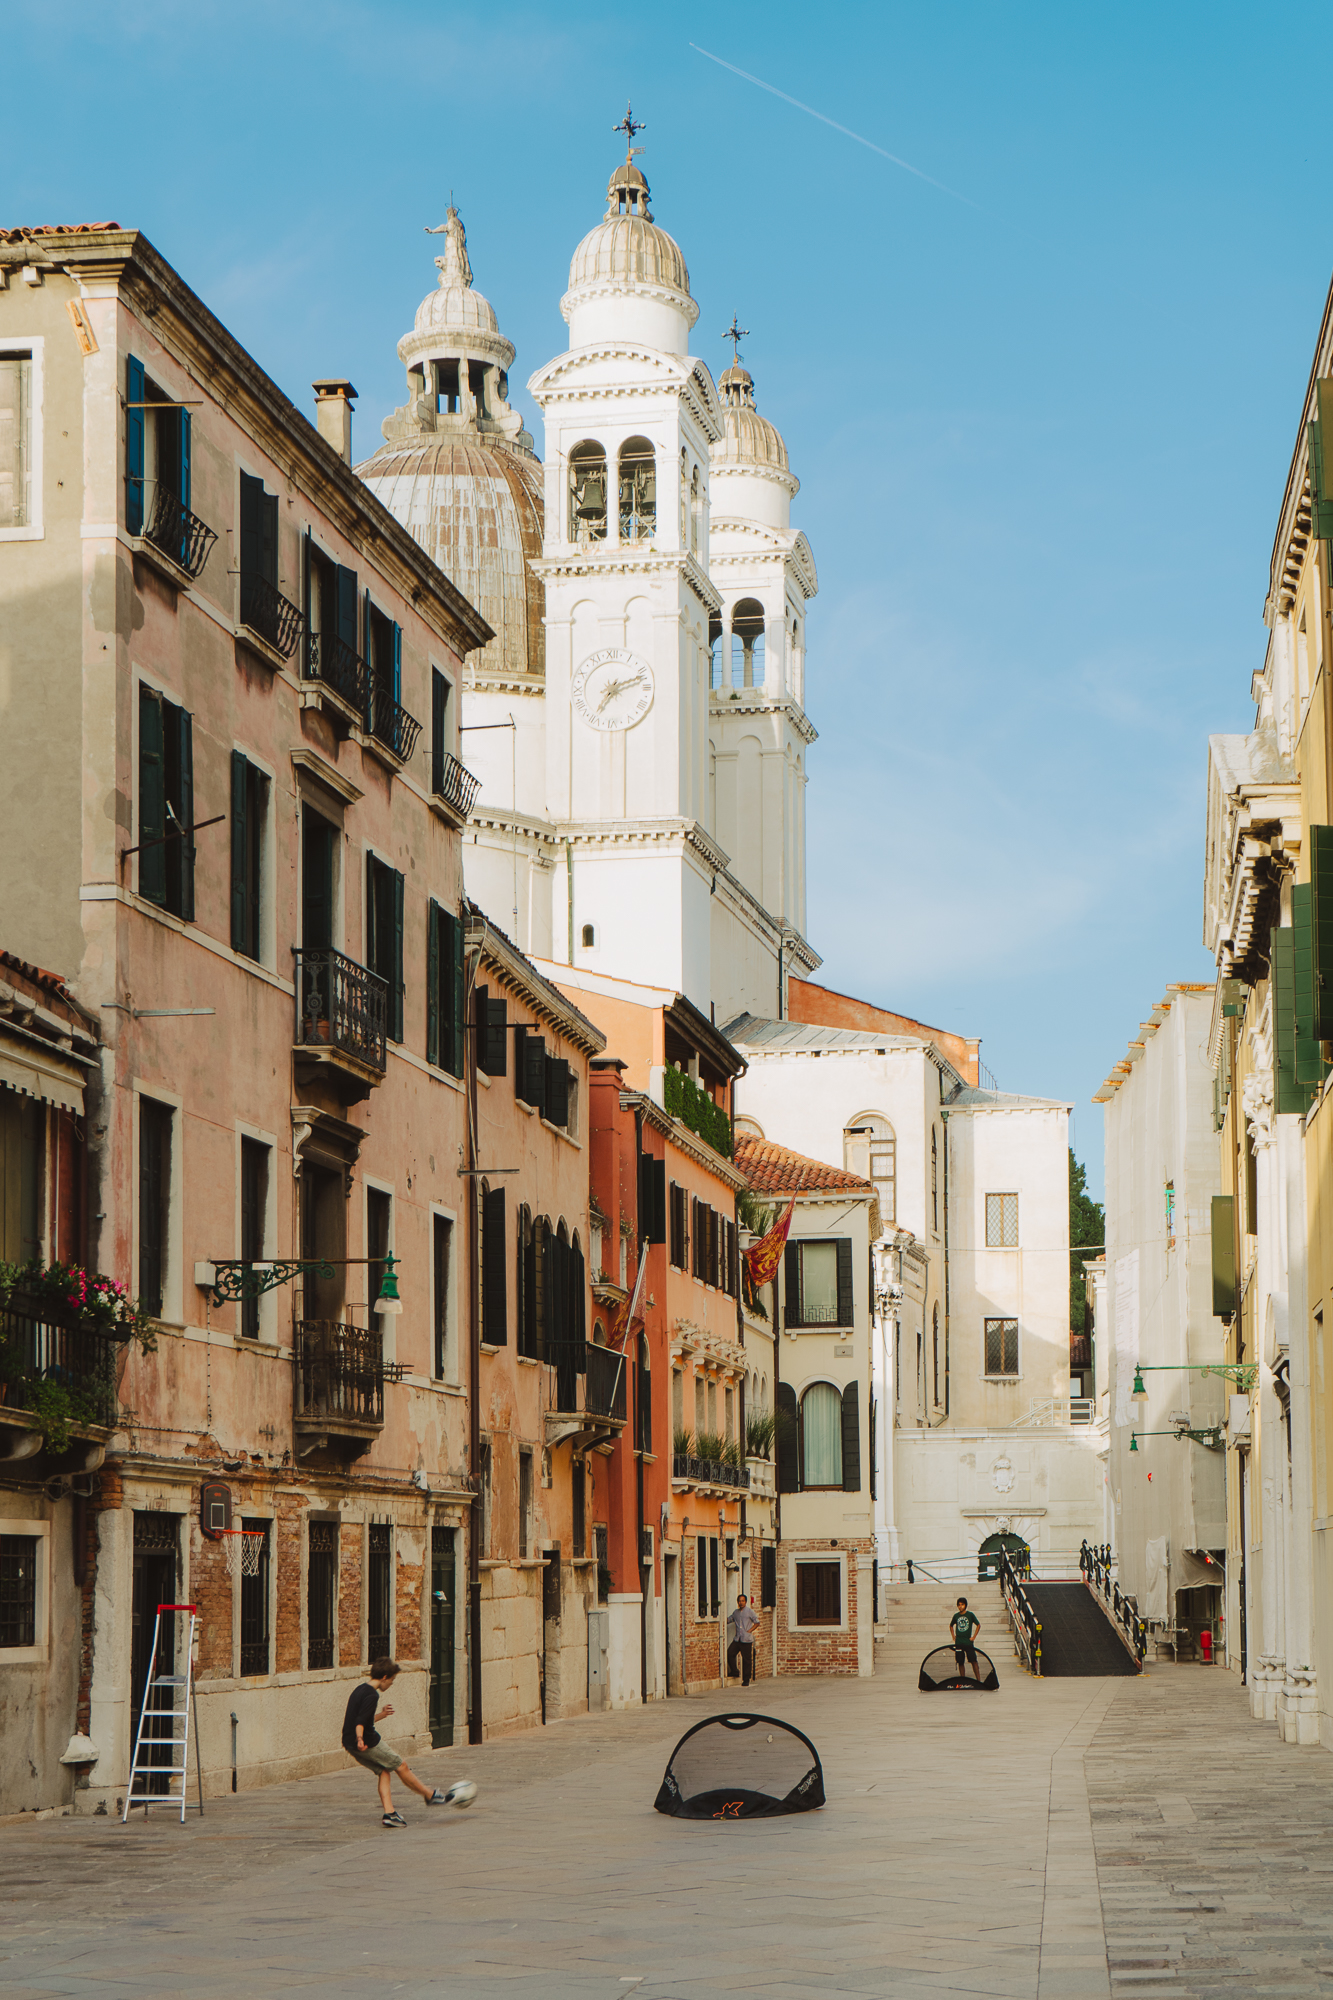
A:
[1213, 1438]
[1241, 1374]
[239, 1278]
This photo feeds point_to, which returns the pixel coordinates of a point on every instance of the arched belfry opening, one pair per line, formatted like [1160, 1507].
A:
[638, 491]
[714, 650]
[747, 644]
[587, 493]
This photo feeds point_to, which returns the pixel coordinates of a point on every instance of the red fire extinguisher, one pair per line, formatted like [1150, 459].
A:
[1206, 1647]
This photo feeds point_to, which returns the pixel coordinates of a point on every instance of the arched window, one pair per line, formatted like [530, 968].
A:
[935, 1355]
[696, 509]
[587, 493]
[714, 651]
[747, 643]
[821, 1436]
[638, 491]
[589, 936]
[869, 1149]
[526, 1288]
[684, 500]
[934, 1184]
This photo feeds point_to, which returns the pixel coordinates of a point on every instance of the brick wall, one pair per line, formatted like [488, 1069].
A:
[818, 1650]
[409, 1585]
[213, 1591]
[700, 1648]
[288, 1536]
[351, 1554]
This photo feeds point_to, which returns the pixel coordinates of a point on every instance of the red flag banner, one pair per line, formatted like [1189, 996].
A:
[762, 1258]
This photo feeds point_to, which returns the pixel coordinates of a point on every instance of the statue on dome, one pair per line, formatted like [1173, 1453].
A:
[453, 267]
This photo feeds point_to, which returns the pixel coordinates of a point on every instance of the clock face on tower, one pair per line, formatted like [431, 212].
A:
[612, 689]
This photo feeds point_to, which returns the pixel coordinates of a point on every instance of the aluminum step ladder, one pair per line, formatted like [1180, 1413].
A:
[164, 1726]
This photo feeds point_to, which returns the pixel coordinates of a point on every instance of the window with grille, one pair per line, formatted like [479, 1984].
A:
[379, 1592]
[321, 1593]
[1002, 1347]
[15, 440]
[255, 1636]
[1001, 1221]
[18, 1590]
[818, 1593]
[701, 1573]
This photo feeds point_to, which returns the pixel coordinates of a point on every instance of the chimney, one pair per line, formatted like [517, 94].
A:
[333, 414]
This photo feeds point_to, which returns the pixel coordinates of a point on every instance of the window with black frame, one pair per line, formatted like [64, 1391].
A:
[1001, 1347]
[18, 1591]
[166, 804]
[321, 1594]
[379, 1592]
[256, 1643]
[155, 1135]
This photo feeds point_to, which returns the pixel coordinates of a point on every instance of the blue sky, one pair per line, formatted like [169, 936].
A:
[1042, 431]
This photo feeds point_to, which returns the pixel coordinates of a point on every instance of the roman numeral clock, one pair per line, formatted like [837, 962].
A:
[612, 689]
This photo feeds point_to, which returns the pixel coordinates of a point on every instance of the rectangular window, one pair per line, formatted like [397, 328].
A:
[321, 1593]
[384, 659]
[524, 1504]
[439, 732]
[320, 842]
[18, 1591]
[494, 1268]
[255, 1652]
[555, 1094]
[166, 804]
[379, 1245]
[384, 936]
[332, 653]
[492, 1025]
[818, 1593]
[1001, 1221]
[22, 1176]
[529, 1067]
[249, 819]
[701, 1570]
[444, 990]
[155, 1121]
[444, 1233]
[818, 1283]
[1002, 1347]
[258, 555]
[578, 1494]
[254, 1215]
[15, 440]
[714, 1592]
[379, 1592]
[678, 1226]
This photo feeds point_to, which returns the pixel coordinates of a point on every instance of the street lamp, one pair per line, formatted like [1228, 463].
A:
[235, 1279]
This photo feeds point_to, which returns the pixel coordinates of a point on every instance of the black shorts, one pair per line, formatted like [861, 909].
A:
[962, 1653]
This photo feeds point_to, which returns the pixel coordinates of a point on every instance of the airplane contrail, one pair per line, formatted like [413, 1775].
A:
[846, 130]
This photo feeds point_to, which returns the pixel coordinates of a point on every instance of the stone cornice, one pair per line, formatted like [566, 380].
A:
[720, 703]
[620, 560]
[501, 958]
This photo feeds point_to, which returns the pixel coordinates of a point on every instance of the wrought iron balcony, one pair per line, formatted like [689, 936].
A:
[181, 536]
[456, 786]
[341, 1008]
[340, 1376]
[338, 667]
[388, 721]
[589, 1401]
[54, 1370]
[269, 615]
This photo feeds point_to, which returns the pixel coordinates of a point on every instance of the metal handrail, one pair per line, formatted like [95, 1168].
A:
[182, 537]
[341, 1005]
[1023, 1620]
[456, 785]
[1095, 1561]
[388, 721]
[273, 617]
[338, 666]
[339, 1371]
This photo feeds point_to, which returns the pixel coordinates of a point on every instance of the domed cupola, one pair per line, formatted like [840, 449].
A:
[628, 280]
[750, 474]
[458, 469]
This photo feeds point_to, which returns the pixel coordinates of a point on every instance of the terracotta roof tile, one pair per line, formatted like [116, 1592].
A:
[776, 1170]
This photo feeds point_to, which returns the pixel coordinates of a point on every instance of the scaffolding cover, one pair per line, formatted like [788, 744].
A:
[741, 1767]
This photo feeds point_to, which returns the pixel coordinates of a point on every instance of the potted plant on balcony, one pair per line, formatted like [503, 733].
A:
[760, 1430]
[708, 1445]
[67, 1295]
[682, 1453]
[732, 1463]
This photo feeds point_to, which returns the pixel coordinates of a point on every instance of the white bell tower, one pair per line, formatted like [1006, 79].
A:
[630, 420]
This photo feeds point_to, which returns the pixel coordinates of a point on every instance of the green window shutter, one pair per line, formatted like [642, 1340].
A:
[534, 1071]
[851, 1440]
[494, 1268]
[1321, 927]
[791, 1285]
[372, 940]
[182, 723]
[268, 537]
[460, 1000]
[252, 494]
[785, 1437]
[439, 711]
[240, 927]
[1224, 1255]
[433, 996]
[1309, 1061]
[134, 436]
[347, 607]
[397, 985]
[183, 489]
[846, 1309]
[555, 1108]
[495, 1042]
[398, 663]
[152, 799]
[1288, 1094]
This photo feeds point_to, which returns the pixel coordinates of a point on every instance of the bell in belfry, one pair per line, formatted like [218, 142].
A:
[591, 499]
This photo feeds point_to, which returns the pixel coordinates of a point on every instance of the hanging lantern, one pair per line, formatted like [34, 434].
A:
[1133, 1442]
[1138, 1393]
[388, 1300]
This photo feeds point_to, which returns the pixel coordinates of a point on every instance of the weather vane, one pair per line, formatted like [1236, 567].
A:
[440, 227]
[736, 334]
[630, 125]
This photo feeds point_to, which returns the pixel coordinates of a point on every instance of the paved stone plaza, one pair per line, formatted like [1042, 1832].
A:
[1056, 1840]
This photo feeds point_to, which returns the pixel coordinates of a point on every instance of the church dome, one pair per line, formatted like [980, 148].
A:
[455, 308]
[747, 438]
[476, 508]
[628, 278]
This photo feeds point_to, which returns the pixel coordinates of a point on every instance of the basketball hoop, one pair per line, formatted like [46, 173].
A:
[243, 1547]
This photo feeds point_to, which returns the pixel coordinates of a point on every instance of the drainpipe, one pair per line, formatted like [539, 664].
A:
[634, 1405]
[474, 1720]
[684, 1544]
[944, 1120]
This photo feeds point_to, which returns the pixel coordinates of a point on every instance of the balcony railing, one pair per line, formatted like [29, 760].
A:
[709, 1472]
[388, 721]
[604, 1392]
[456, 785]
[270, 615]
[341, 1005]
[338, 667]
[181, 535]
[39, 1356]
[339, 1373]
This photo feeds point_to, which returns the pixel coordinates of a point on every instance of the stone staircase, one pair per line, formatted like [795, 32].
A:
[915, 1619]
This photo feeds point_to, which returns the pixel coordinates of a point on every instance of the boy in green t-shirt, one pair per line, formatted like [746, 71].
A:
[964, 1626]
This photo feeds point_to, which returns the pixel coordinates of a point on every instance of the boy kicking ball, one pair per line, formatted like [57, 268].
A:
[361, 1740]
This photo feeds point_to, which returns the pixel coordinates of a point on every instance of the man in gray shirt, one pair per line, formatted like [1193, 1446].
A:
[744, 1622]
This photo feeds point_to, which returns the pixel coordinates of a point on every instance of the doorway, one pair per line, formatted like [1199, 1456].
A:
[323, 1235]
[441, 1696]
[671, 1596]
[988, 1555]
[156, 1565]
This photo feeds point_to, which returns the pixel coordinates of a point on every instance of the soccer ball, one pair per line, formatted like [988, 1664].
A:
[461, 1794]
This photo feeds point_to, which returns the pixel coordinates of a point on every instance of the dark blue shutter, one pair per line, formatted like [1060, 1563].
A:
[459, 1061]
[268, 536]
[785, 1437]
[534, 1071]
[398, 663]
[252, 494]
[134, 433]
[347, 607]
[397, 986]
[372, 938]
[184, 727]
[494, 1268]
[433, 915]
[185, 454]
[367, 655]
[240, 874]
[845, 1304]
[439, 709]
[152, 799]
[851, 1440]
[555, 1106]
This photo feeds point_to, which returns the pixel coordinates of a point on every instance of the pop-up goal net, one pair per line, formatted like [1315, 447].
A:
[940, 1669]
[741, 1767]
